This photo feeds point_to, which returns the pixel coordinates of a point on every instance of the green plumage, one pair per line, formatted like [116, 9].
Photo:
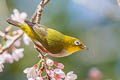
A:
[51, 39]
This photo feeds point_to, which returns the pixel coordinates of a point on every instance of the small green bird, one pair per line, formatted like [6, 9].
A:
[55, 43]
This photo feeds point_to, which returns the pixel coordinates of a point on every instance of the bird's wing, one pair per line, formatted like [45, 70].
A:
[39, 31]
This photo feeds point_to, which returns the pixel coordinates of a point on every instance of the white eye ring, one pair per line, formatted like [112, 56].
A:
[76, 42]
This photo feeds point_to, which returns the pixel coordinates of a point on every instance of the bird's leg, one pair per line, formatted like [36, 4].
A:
[40, 47]
[40, 52]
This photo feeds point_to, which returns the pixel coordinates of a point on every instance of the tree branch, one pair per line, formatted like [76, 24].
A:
[38, 13]
[13, 40]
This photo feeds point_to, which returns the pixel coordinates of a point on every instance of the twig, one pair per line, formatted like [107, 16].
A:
[14, 39]
[38, 13]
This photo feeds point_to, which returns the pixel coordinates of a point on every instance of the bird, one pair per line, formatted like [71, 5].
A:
[49, 40]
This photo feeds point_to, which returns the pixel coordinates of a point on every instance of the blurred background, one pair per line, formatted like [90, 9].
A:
[95, 22]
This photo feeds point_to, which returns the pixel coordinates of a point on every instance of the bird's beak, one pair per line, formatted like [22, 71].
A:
[84, 47]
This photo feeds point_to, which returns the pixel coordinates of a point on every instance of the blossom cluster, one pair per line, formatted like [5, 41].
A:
[10, 51]
[20, 17]
[52, 69]
[6, 57]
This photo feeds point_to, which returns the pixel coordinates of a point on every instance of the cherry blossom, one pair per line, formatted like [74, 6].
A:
[71, 76]
[1, 59]
[49, 62]
[17, 32]
[17, 43]
[59, 65]
[59, 74]
[7, 58]
[95, 74]
[32, 73]
[17, 16]
[56, 74]
[39, 78]
[18, 54]
[52, 69]
[50, 73]
[20, 17]
[26, 39]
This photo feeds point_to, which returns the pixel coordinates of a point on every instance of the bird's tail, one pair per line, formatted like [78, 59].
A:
[21, 25]
[12, 22]
[25, 27]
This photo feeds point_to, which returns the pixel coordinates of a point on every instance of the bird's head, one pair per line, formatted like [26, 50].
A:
[72, 44]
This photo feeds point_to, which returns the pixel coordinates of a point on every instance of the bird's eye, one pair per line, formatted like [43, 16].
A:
[77, 42]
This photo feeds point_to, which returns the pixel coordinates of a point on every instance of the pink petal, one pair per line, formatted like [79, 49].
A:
[49, 62]
[59, 65]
